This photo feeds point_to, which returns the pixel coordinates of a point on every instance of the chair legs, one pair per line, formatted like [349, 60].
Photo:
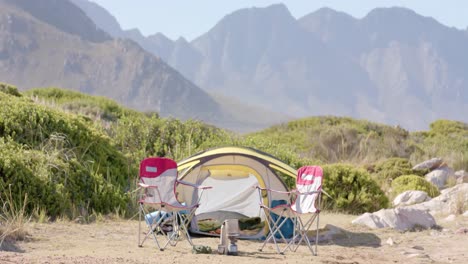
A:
[179, 228]
[301, 235]
[275, 228]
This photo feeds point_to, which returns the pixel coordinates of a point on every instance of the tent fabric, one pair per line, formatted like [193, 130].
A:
[237, 195]
[233, 172]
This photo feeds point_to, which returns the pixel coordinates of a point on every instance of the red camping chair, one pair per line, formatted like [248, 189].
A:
[305, 201]
[158, 181]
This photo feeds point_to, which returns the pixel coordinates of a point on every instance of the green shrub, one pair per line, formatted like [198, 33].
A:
[9, 89]
[352, 190]
[392, 168]
[59, 160]
[413, 183]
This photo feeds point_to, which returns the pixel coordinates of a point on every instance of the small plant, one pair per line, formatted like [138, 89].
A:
[13, 219]
[460, 205]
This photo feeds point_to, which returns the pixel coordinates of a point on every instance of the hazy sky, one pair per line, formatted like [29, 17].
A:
[191, 18]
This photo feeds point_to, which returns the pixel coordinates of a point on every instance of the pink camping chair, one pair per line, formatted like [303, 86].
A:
[304, 201]
[158, 180]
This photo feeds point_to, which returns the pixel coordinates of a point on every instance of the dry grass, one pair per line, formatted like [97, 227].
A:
[459, 204]
[13, 219]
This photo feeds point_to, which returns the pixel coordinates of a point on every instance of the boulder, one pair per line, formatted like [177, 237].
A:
[460, 173]
[447, 202]
[402, 219]
[410, 197]
[429, 164]
[439, 176]
[462, 179]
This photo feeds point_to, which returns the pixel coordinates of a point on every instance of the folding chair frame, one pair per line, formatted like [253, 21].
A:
[300, 227]
[179, 221]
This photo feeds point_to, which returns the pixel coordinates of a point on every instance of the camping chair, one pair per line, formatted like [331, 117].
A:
[303, 201]
[158, 181]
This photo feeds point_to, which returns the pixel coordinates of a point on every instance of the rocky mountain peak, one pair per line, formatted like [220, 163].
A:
[63, 15]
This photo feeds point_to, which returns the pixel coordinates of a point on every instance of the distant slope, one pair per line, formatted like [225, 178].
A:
[42, 49]
[339, 139]
[253, 117]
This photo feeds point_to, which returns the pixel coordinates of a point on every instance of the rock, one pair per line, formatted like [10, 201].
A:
[460, 173]
[450, 218]
[429, 164]
[462, 231]
[418, 247]
[390, 241]
[465, 214]
[439, 176]
[462, 179]
[410, 197]
[447, 202]
[328, 233]
[402, 218]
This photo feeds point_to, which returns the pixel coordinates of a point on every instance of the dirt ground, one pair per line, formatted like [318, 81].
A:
[116, 242]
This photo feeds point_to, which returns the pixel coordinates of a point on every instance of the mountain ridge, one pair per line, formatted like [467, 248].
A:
[327, 63]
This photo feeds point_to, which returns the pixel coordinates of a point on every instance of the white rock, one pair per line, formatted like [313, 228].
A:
[462, 179]
[369, 220]
[439, 176]
[410, 197]
[429, 164]
[450, 218]
[390, 241]
[465, 214]
[446, 202]
[401, 218]
[460, 173]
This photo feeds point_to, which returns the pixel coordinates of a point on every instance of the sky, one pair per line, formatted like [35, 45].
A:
[192, 18]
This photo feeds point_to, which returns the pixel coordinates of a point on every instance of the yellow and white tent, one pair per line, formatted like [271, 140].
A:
[233, 172]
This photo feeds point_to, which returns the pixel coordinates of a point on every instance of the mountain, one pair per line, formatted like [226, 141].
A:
[392, 66]
[54, 43]
[418, 66]
[180, 54]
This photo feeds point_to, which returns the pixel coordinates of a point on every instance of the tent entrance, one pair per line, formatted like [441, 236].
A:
[233, 197]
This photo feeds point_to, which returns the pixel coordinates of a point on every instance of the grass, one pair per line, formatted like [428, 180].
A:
[459, 205]
[13, 219]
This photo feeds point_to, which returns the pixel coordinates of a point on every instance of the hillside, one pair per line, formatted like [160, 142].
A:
[338, 139]
[380, 67]
[75, 154]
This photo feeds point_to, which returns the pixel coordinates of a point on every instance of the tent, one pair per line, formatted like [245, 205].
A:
[233, 172]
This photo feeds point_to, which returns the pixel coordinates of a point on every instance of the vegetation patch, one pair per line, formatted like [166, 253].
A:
[352, 190]
[413, 183]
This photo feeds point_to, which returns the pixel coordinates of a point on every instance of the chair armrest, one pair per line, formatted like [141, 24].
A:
[142, 185]
[194, 185]
[307, 193]
[270, 190]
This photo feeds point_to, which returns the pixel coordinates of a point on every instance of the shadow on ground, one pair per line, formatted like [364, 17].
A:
[354, 239]
[10, 247]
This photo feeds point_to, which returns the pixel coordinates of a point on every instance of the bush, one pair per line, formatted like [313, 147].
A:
[9, 89]
[352, 189]
[413, 183]
[59, 160]
[392, 168]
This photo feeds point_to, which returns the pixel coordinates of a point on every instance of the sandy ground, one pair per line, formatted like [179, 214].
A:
[116, 242]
